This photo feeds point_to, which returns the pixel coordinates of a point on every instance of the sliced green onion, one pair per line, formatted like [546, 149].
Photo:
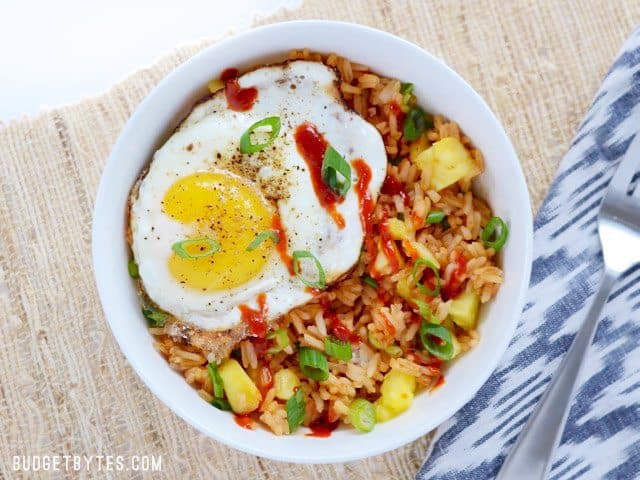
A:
[132, 266]
[332, 164]
[415, 124]
[245, 140]
[261, 237]
[406, 88]
[362, 414]
[427, 263]
[216, 380]
[295, 410]
[322, 278]
[221, 404]
[490, 230]
[394, 350]
[441, 348]
[367, 280]
[374, 341]
[181, 247]
[337, 348]
[408, 98]
[436, 216]
[155, 317]
[425, 311]
[313, 364]
[281, 338]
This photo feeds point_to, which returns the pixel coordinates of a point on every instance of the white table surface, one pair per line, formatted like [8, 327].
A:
[58, 52]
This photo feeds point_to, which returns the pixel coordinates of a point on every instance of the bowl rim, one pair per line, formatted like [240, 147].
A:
[102, 283]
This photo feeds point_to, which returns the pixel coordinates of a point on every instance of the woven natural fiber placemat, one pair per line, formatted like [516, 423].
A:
[66, 388]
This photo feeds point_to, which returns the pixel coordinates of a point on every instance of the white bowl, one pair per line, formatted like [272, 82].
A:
[440, 90]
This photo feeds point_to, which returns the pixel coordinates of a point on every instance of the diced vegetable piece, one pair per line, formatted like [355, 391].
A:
[383, 413]
[215, 85]
[216, 381]
[334, 347]
[403, 288]
[457, 348]
[362, 414]
[417, 147]
[495, 227]
[321, 282]
[285, 382]
[394, 350]
[333, 164]
[464, 309]
[246, 143]
[280, 339]
[375, 343]
[416, 277]
[435, 216]
[449, 161]
[368, 280]
[242, 393]
[408, 98]
[415, 123]
[296, 410]
[397, 390]
[313, 364]
[398, 229]
[155, 317]
[436, 340]
[221, 404]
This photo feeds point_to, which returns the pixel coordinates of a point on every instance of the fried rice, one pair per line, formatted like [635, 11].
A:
[373, 311]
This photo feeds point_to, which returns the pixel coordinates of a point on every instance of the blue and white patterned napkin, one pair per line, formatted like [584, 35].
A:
[602, 437]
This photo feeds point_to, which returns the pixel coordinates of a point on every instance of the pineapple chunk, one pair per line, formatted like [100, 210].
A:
[383, 413]
[397, 390]
[449, 162]
[417, 147]
[398, 229]
[242, 393]
[464, 310]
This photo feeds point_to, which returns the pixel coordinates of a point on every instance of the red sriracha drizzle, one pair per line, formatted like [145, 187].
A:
[453, 288]
[338, 330]
[238, 98]
[389, 247]
[245, 421]
[366, 203]
[393, 186]
[256, 320]
[281, 246]
[311, 145]
[322, 428]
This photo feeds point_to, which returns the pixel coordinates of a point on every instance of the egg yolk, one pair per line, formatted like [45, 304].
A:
[226, 209]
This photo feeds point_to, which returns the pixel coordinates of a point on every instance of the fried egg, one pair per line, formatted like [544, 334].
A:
[217, 232]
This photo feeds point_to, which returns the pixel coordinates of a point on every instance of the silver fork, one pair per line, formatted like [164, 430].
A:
[619, 232]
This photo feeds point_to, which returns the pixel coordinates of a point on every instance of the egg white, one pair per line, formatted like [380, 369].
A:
[208, 140]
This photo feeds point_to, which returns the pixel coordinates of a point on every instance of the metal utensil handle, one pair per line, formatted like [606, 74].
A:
[530, 458]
